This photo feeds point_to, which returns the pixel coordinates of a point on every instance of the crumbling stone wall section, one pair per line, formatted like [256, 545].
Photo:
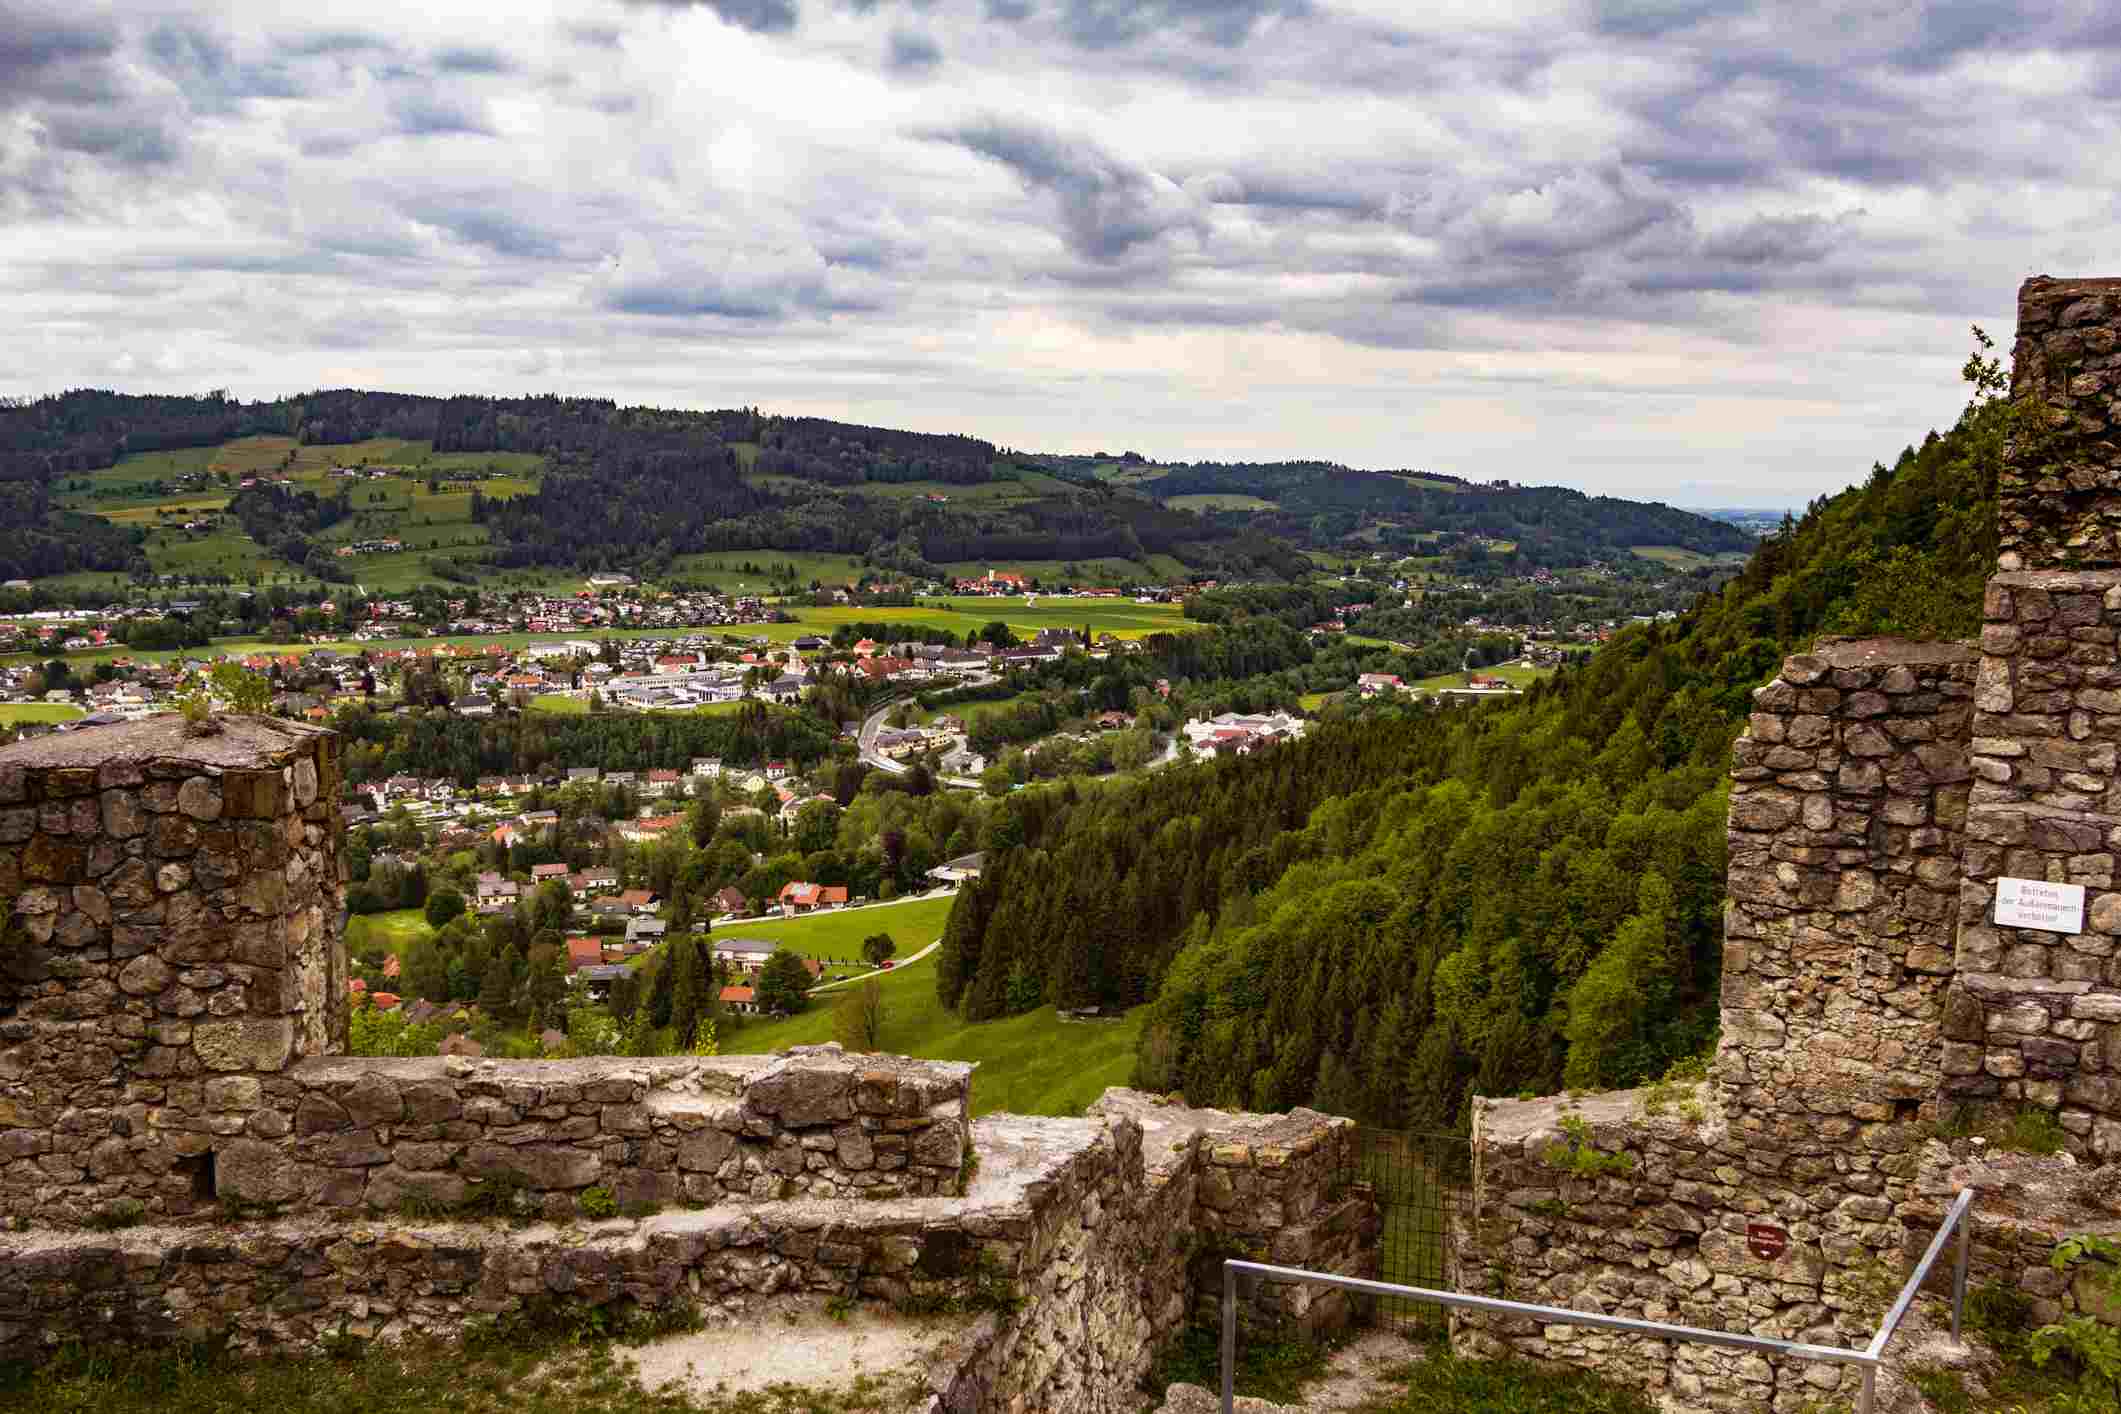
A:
[379, 1135]
[1664, 1238]
[1847, 811]
[1284, 1189]
[2059, 500]
[175, 905]
[1066, 1256]
[2035, 1016]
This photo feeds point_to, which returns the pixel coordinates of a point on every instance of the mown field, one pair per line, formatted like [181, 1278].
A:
[393, 932]
[1031, 1064]
[1683, 559]
[836, 937]
[13, 712]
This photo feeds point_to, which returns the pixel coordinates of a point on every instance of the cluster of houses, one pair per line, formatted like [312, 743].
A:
[1239, 734]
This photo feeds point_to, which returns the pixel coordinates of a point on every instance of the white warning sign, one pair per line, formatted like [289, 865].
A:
[2035, 903]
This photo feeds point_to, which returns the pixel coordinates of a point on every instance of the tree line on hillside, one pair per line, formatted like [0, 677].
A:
[1320, 504]
[1426, 904]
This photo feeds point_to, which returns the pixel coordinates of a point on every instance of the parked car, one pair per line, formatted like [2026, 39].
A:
[884, 966]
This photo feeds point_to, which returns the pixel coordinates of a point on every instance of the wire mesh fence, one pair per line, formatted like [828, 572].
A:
[1421, 1183]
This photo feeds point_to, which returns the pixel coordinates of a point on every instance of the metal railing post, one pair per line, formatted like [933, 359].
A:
[1966, 1238]
[1869, 1401]
[1229, 1337]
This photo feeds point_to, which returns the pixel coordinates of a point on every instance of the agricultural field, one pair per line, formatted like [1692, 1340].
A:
[1031, 1064]
[837, 936]
[12, 713]
[1218, 501]
[434, 525]
[1679, 558]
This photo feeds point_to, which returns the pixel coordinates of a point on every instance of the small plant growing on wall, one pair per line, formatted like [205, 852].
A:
[1575, 1153]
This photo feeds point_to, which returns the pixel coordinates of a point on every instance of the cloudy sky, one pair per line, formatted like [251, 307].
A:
[1702, 250]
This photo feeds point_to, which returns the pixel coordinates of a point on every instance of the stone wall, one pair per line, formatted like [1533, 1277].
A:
[2059, 502]
[382, 1134]
[1847, 808]
[1070, 1251]
[2035, 1016]
[1666, 1237]
[1283, 1189]
[176, 905]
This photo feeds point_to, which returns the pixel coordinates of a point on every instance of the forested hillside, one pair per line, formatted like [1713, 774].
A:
[1417, 905]
[1318, 504]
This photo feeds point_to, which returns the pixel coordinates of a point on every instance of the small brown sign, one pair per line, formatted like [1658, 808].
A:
[1766, 1241]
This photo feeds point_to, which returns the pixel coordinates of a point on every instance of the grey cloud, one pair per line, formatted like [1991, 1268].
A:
[758, 16]
[912, 52]
[468, 60]
[1009, 11]
[1110, 24]
[115, 137]
[1107, 206]
[595, 36]
[430, 115]
[483, 219]
[335, 42]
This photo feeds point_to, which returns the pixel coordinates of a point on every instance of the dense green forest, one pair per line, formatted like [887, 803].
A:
[1415, 905]
[1320, 504]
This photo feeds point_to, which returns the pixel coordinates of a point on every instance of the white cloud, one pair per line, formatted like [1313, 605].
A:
[1710, 249]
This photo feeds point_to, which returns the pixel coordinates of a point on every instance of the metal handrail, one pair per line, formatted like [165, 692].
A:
[1868, 1359]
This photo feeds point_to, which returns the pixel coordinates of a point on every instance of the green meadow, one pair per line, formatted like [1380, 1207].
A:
[1031, 1064]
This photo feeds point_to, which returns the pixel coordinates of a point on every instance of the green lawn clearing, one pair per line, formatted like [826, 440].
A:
[13, 712]
[1515, 676]
[836, 936]
[393, 932]
[1031, 1064]
[560, 703]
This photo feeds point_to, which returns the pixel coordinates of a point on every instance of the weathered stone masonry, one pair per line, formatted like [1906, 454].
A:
[1879, 792]
[178, 901]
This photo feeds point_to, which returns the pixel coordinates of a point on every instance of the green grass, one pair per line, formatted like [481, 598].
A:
[1680, 558]
[1030, 1064]
[1514, 676]
[560, 1366]
[13, 712]
[393, 932]
[554, 702]
[1312, 701]
[838, 934]
[968, 712]
[1218, 501]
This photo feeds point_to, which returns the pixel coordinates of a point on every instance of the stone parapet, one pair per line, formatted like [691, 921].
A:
[2059, 497]
[174, 920]
[1847, 812]
[1069, 1251]
[817, 1123]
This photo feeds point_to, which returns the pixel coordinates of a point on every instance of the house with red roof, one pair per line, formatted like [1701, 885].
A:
[584, 952]
[807, 898]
